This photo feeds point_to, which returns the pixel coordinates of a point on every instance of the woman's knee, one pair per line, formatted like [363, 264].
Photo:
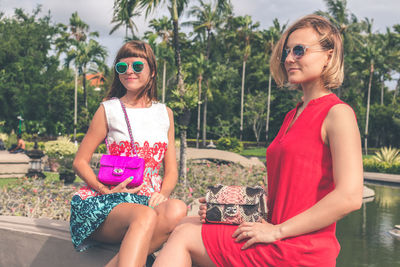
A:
[185, 233]
[175, 210]
[146, 217]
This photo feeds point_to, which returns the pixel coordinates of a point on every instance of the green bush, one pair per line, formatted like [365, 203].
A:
[11, 140]
[4, 137]
[372, 165]
[101, 149]
[27, 137]
[62, 147]
[79, 137]
[30, 145]
[230, 143]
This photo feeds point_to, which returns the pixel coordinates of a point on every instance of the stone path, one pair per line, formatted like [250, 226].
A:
[221, 155]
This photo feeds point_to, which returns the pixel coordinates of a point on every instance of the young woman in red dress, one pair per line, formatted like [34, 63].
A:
[314, 164]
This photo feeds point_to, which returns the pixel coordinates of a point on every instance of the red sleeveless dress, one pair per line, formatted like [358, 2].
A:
[299, 167]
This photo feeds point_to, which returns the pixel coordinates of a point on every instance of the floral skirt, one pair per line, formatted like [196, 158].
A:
[88, 214]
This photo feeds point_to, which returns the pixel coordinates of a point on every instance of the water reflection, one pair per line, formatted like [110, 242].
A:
[364, 236]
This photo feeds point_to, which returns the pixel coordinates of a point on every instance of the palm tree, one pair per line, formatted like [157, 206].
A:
[208, 18]
[346, 22]
[200, 63]
[271, 36]
[370, 55]
[245, 32]
[86, 55]
[78, 32]
[124, 12]
[163, 29]
[175, 8]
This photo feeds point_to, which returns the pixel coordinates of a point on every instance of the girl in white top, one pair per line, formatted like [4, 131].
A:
[140, 218]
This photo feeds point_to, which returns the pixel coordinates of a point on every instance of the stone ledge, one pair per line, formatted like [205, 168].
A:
[44, 242]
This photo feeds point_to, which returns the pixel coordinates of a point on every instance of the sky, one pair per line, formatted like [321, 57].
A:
[98, 14]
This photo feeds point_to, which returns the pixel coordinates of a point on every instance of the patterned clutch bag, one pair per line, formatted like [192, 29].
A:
[235, 204]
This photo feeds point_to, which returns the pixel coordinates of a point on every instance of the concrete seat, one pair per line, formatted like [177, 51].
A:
[13, 165]
[44, 242]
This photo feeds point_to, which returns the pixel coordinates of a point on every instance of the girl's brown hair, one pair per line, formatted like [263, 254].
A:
[330, 39]
[135, 49]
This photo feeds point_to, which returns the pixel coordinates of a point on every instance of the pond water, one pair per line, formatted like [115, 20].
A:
[363, 234]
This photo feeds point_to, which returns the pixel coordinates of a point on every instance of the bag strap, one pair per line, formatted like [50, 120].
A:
[127, 124]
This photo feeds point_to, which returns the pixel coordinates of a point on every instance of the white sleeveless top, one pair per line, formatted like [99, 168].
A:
[150, 133]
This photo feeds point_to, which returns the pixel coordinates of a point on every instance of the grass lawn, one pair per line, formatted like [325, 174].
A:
[7, 181]
[254, 152]
[50, 176]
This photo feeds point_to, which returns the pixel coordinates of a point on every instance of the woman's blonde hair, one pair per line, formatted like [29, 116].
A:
[330, 39]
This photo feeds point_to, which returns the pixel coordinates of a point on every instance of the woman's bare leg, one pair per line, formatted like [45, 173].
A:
[184, 247]
[169, 214]
[133, 224]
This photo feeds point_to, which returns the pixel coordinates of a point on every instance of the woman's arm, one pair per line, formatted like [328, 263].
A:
[95, 135]
[342, 135]
[170, 165]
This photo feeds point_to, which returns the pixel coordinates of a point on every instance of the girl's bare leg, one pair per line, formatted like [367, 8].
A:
[184, 247]
[169, 214]
[133, 224]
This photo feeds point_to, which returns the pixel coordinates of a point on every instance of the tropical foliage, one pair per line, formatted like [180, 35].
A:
[214, 71]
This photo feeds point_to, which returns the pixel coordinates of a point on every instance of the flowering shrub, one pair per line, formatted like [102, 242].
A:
[201, 175]
[372, 165]
[51, 198]
[62, 147]
[230, 143]
[37, 198]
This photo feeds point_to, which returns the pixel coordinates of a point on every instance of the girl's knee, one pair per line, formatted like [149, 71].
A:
[175, 211]
[147, 218]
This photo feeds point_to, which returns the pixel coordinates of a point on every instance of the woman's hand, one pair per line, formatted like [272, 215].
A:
[122, 188]
[256, 233]
[156, 199]
[202, 209]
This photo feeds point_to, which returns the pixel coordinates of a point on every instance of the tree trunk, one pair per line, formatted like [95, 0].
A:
[204, 143]
[181, 89]
[242, 100]
[183, 120]
[382, 90]
[205, 118]
[396, 91]
[163, 80]
[198, 112]
[84, 89]
[75, 103]
[268, 110]
[368, 105]
[182, 158]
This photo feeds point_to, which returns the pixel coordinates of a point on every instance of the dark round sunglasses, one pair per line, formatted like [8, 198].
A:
[298, 52]
[122, 67]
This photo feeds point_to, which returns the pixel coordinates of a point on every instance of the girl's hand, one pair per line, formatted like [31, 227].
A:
[256, 233]
[202, 209]
[122, 188]
[156, 199]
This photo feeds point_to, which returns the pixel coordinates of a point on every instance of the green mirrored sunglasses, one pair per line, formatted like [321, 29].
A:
[122, 67]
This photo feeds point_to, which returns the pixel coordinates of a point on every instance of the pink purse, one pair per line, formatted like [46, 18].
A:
[116, 169]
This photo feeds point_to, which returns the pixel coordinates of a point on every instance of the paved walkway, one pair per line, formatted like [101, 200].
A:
[222, 155]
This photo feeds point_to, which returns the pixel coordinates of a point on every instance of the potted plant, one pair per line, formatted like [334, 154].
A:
[65, 171]
[62, 151]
